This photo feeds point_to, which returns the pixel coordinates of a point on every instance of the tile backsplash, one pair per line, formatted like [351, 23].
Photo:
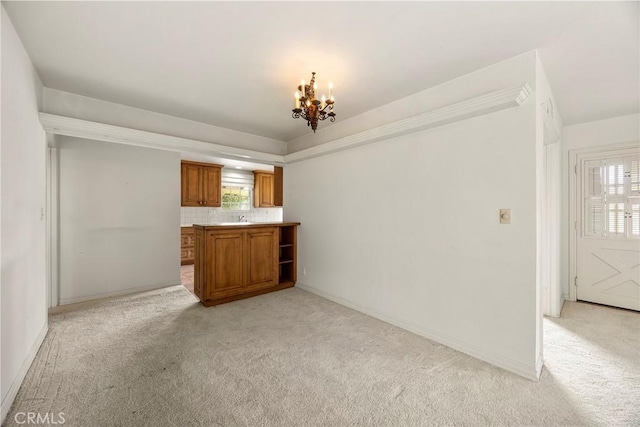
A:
[189, 216]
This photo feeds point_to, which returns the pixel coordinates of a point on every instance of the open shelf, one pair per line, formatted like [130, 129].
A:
[286, 273]
[287, 235]
[287, 255]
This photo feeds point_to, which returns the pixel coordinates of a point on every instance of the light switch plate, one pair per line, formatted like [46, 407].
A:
[505, 216]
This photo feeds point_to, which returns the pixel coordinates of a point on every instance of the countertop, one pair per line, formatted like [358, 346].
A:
[244, 224]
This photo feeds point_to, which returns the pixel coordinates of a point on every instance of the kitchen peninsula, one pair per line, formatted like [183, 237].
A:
[240, 260]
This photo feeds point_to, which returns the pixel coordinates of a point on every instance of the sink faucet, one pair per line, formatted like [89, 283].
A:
[242, 218]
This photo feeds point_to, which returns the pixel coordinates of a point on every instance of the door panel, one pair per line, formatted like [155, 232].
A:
[262, 256]
[608, 272]
[608, 240]
[211, 182]
[190, 181]
[225, 253]
[265, 190]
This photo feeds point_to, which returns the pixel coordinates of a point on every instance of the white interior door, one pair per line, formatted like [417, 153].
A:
[608, 237]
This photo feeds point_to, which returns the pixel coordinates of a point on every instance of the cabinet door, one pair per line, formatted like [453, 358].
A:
[190, 182]
[225, 263]
[262, 257]
[187, 237]
[263, 189]
[211, 185]
[278, 186]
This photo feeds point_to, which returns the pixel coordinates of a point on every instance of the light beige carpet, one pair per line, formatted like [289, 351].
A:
[291, 358]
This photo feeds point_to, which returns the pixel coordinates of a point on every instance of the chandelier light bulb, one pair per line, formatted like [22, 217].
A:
[296, 95]
[323, 101]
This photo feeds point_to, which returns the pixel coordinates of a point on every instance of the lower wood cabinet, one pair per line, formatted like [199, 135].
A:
[238, 262]
[187, 245]
[262, 257]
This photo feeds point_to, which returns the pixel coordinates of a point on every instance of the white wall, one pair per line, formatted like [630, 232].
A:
[95, 110]
[600, 133]
[408, 230]
[119, 219]
[23, 291]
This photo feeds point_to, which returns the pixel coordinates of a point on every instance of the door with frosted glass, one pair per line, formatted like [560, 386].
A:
[608, 238]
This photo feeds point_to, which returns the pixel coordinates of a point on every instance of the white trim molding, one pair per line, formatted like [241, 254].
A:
[474, 107]
[22, 372]
[530, 372]
[60, 125]
[102, 295]
[484, 104]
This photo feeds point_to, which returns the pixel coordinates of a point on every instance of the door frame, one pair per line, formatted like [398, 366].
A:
[575, 157]
[550, 218]
[52, 225]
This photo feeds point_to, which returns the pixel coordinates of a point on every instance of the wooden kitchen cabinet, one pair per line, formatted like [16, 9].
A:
[236, 261]
[201, 184]
[262, 257]
[268, 188]
[187, 245]
[226, 263]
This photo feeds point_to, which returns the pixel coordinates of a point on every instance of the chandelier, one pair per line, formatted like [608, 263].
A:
[309, 107]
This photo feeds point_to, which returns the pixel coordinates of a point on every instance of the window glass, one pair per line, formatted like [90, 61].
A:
[611, 201]
[236, 198]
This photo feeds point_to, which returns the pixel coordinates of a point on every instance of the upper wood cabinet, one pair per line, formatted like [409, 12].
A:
[201, 184]
[268, 188]
[263, 190]
[212, 185]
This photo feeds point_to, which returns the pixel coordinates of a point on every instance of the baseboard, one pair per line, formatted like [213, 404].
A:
[530, 372]
[22, 373]
[65, 301]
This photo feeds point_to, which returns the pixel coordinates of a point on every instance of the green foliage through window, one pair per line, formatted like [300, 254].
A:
[236, 198]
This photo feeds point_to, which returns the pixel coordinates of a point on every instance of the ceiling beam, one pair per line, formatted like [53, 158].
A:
[60, 125]
[473, 107]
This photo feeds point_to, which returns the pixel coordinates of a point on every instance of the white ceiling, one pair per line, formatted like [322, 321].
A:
[236, 64]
